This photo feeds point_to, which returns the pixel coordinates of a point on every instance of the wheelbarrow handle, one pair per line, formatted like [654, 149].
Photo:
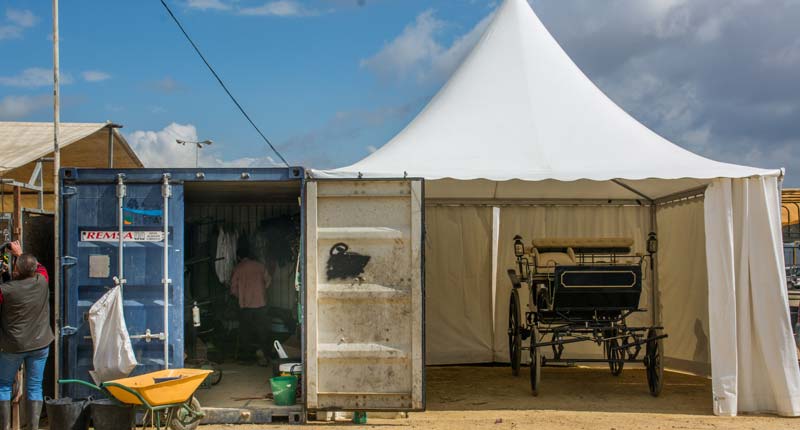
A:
[84, 383]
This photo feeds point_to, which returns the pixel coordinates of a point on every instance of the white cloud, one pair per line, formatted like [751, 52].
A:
[34, 77]
[166, 85]
[159, 149]
[17, 21]
[22, 18]
[207, 4]
[279, 8]
[95, 76]
[417, 52]
[16, 107]
[371, 148]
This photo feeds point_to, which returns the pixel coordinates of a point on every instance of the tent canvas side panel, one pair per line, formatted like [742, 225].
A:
[537, 222]
[683, 286]
[754, 360]
[458, 282]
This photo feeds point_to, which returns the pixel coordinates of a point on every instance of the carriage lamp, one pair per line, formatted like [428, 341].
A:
[519, 247]
[652, 243]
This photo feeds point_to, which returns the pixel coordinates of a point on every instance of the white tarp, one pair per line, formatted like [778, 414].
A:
[753, 357]
[458, 282]
[518, 109]
[683, 286]
[113, 353]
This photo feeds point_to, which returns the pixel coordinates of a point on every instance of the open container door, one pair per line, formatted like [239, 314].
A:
[364, 295]
[146, 205]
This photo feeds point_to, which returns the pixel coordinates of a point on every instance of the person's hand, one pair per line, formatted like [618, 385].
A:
[15, 248]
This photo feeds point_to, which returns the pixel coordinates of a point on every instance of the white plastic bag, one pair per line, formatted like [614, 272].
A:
[113, 353]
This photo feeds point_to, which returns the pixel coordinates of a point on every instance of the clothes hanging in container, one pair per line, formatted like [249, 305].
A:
[226, 254]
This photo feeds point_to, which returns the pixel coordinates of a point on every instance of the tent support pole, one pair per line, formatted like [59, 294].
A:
[655, 315]
[633, 190]
[656, 298]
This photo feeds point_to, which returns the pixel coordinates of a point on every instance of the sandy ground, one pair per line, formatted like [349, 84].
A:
[576, 398]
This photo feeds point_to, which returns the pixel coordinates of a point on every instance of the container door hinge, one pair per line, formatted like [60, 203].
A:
[67, 261]
[68, 191]
[68, 331]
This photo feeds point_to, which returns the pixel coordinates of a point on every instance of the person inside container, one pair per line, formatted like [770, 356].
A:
[25, 334]
[249, 284]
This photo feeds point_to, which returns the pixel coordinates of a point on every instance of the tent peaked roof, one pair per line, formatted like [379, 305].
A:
[519, 108]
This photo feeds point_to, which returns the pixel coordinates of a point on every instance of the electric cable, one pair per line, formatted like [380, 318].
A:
[224, 87]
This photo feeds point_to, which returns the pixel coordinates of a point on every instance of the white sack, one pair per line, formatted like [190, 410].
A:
[753, 357]
[113, 353]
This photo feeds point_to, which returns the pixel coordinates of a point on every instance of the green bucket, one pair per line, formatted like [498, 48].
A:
[284, 390]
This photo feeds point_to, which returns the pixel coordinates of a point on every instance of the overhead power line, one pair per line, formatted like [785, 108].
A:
[222, 84]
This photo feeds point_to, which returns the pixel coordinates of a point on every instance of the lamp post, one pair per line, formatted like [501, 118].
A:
[197, 147]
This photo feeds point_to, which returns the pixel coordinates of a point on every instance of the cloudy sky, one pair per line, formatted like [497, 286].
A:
[331, 80]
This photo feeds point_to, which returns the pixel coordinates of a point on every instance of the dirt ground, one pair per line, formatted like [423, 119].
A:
[573, 398]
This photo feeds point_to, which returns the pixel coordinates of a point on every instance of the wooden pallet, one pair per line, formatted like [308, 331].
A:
[261, 415]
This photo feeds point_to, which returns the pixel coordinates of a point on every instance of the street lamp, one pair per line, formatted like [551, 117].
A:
[197, 147]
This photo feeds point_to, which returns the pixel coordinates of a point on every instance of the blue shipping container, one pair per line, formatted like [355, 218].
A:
[90, 246]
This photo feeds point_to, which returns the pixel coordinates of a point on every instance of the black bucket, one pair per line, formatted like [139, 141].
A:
[67, 414]
[108, 414]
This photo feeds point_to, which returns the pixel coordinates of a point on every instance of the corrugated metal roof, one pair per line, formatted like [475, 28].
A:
[790, 212]
[24, 142]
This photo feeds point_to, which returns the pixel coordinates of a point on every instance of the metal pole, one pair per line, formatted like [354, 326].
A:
[166, 193]
[196, 155]
[120, 225]
[110, 147]
[56, 202]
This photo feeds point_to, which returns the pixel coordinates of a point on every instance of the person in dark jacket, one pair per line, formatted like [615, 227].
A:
[25, 336]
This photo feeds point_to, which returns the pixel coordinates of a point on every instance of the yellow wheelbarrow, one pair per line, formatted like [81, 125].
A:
[166, 397]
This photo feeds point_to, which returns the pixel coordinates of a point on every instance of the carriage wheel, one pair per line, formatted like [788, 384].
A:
[654, 362]
[514, 335]
[536, 362]
[614, 355]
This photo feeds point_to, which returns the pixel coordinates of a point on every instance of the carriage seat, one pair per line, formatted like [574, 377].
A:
[560, 251]
[546, 262]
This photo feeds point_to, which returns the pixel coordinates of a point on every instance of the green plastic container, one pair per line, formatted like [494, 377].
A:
[284, 390]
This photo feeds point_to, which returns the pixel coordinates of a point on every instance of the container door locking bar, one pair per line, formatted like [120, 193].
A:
[166, 193]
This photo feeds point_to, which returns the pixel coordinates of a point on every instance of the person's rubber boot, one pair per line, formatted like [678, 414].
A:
[5, 414]
[33, 413]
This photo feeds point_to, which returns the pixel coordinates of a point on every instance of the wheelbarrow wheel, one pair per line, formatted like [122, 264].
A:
[536, 362]
[187, 417]
[514, 335]
[654, 362]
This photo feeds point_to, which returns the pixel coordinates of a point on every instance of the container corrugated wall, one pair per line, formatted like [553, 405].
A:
[364, 295]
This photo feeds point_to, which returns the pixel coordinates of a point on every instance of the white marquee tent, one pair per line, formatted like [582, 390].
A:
[520, 141]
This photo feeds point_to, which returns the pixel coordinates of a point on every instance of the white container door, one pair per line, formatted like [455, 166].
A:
[364, 295]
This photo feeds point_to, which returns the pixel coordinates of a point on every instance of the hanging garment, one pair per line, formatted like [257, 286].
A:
[113, 353]
[226, 255]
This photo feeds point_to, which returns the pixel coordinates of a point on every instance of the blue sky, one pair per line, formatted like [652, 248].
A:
[330, 80]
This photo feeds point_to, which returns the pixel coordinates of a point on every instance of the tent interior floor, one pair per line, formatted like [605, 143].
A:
[469, 388]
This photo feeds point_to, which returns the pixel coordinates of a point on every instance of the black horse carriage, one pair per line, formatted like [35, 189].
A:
[582, 290]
